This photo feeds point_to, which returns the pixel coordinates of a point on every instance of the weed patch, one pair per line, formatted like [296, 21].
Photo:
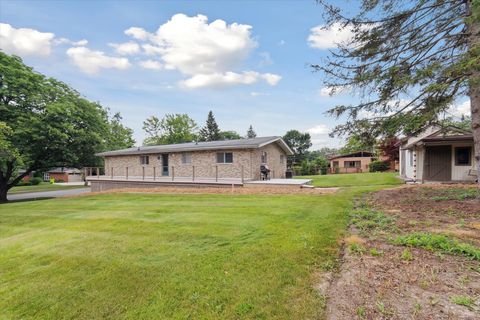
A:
[368, 220]
[463, 301]
[438, 242]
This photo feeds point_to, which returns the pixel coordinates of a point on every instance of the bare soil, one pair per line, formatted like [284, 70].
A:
[382, 281]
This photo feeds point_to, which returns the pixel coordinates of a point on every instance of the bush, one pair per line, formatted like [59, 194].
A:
[38, 174]
[35, 181]
[379, 166]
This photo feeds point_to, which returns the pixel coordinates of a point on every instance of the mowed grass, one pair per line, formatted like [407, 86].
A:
[354, 179]
[153, 256]
[41, 187]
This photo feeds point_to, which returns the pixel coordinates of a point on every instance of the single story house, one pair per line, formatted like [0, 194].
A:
[63, 174]
[230, 159]
[351, 163]
[438, 154]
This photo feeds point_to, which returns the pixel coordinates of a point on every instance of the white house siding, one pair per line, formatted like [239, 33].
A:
[460, 173]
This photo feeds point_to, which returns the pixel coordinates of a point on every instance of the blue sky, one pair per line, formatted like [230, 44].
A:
[256, 75]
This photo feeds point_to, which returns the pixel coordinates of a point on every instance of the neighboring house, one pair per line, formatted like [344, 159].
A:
[438, 154]
[351, 163]
[63, 174]
[213, 160]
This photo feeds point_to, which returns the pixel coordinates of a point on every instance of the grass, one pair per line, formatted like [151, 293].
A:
[153, 256]
[463, 301]
[454, 194]
[44, 186]
[439, 243]
[354, 179]
[370, 221]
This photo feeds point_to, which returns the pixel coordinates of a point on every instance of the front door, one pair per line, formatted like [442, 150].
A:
[438, 163]
[404, 162]
[165, 164]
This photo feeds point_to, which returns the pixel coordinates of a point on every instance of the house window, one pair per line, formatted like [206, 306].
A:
[46, 176]
[264, 157]
[463, 156]
[224, 157]
[186, 158]
[144, 160]
[282, 159]
[352, 164]
[335, 164]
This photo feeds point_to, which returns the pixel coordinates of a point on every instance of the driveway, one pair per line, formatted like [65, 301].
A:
[47, 194]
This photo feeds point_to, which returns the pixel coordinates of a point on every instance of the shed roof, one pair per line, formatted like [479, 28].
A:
[358, 154]
[252, 143]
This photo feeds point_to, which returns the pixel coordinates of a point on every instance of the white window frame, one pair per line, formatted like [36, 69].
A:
[186, 158]
[282, 159]
[224, 157]
[264, 157]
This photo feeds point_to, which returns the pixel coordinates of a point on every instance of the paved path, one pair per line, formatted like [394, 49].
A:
[47, 194]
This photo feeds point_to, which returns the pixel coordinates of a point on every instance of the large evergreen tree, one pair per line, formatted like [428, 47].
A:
[211, 131]
[251, 133]
[408, 61]
[43, 124]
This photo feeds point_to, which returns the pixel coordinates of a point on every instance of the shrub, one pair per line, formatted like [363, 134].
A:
[379, 166]
[35, 181]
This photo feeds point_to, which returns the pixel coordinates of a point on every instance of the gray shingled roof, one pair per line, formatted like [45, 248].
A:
[253, 143]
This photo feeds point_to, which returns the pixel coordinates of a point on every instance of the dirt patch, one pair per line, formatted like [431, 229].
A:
[268, 190]
[377, 279]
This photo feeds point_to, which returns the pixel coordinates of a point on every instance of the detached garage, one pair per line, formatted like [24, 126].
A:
[63, 174]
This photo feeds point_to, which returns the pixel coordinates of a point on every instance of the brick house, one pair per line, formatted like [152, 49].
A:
[351, 163]
[63, 174]
[229, 159]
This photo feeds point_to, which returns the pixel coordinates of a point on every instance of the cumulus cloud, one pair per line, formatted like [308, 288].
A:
[137, 33]
[206, 52]
[25, 41]
[151, 64]
[91, 62]
[322, 37]
[462, 109]
[79, 43]
[228, 79]
[127, 48]
[320, 129]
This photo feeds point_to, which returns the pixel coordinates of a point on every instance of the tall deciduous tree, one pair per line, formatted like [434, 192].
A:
[409, 61]
[298, 142]
[120, 136]
[43, 123]
[211, 131]
[251, 133]
[173, 128]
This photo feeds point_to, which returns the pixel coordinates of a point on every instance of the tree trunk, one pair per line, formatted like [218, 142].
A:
[474, 83]
[3, 192]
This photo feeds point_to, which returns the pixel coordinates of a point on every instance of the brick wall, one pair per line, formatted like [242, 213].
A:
[205, 163]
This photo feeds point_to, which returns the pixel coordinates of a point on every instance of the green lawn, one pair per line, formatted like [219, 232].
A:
[153, 256]
[354, 179]
[44, 186]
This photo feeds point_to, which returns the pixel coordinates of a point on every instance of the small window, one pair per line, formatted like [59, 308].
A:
[282, 159]
[264, 157]
[463, 156]
[144, 159]
[186, 158]
[410, 152]
[352, 164]
[335, 164]
[224, 157]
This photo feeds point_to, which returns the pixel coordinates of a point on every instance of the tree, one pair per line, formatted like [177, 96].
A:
[251, 133]
[210, 132]
[173, 128]
[119, 136]
[355, 144]
[229, 135]
[298, 142]
[409, 64]
[43, 123]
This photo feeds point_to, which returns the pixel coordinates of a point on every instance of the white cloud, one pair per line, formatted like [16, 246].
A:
[151, 64]
[266, 59]
[91, 62]
[325, 38]
[462, 109]
[206, 52]
[320, 129]
[325, 92]
[282, 42]
[228, 79]
[24, 41]
[258, 94]
[127, 48]
[137, 33]
[79, 43]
